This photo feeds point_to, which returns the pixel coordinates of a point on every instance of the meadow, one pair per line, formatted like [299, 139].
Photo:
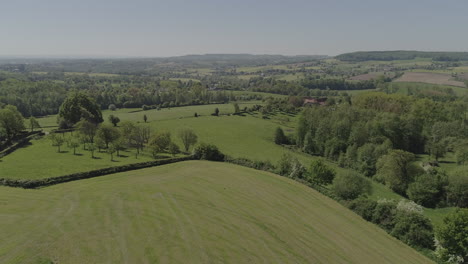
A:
[205, 212]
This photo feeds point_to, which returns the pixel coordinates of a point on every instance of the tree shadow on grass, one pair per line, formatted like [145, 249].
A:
[63, 151]
[98, 158]
[78, 154]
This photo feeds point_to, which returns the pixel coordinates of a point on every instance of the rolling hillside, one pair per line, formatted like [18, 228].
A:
[197, 212]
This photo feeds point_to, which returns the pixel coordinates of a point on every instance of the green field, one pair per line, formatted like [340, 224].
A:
[197, 212]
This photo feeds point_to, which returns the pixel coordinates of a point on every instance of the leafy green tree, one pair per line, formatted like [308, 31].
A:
[280, 137]
[111, 150]
[74, 143]
[188, 138]
[114, 120]
[145, 118]
[364, 207]
[397, 170]
[92, 147]
[428, 189]
[384, 214]
[79, 106]
[349, 186]
[107, 134]
[33, 124]
[321, 173]
[87, 130]
[236, 108]
[453, 236]
[173, 148]
[57, 141]
[414, 229]
[208, 152]
[11, 122]
[112, 107]
[457, 190]
[159, 142]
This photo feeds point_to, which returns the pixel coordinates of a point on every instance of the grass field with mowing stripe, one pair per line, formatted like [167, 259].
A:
[197, 212]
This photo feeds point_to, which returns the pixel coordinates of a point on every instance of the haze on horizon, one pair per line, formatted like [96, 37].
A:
[144, 28]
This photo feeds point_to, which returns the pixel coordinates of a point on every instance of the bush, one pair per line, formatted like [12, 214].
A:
[320, 173]
[384, 214]
[452, 237]
[457, 191]
[414, 229]
[280, 138]
[350, 186]
[363, 207]
[208, 152]
[428, 189]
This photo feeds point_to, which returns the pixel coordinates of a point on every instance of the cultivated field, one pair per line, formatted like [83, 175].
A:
[197, 212]
[433, 78]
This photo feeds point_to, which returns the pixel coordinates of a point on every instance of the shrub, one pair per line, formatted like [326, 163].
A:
[363, 207]
[384, 214]
[208, 152]
[280, 138]
[452, 237]
[350, 186]
[457, 191]
[414, 229]
[320, 173]
[428, 189]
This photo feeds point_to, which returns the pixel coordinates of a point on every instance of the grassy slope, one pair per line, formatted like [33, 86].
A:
[199, 211]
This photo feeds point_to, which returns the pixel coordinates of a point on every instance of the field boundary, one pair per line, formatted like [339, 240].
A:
[20, 143]
[32, 184]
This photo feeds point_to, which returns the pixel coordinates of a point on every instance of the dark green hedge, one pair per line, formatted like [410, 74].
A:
[30, 184]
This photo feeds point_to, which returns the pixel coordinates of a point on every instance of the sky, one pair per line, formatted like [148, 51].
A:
[145, 28]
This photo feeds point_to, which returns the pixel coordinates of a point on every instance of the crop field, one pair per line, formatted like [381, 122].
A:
[408, 87]
[432, 78]
[204, 212]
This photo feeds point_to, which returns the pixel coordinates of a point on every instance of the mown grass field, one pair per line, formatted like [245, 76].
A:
[197, 212]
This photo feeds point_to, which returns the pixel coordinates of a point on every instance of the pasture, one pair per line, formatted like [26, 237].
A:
[204, 212]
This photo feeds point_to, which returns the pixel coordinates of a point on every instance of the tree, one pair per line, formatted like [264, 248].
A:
[208, 152]
[74, 143]
[159, 142]
[453, 237]
[349, 186]
[138, 137]
[173, 149]
[320, 173]
[33, 124]
[87, 129]
[280, 138]
[236, 108]
[145, 118]
[92, 148]
[57, 141]
[107, 134]
[114, 120]
[457, 190]
[112, 107]
[188, 138]
[397, 170]
[414, 229]
[428, 189]
[79, 106]
[216, 112]
[11, 122]
[127, 128]
[111, 150]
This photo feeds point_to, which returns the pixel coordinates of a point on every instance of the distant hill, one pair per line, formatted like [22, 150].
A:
[402, 55]
[146, 65]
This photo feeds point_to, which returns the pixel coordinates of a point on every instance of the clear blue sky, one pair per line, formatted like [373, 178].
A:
[175, 27]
